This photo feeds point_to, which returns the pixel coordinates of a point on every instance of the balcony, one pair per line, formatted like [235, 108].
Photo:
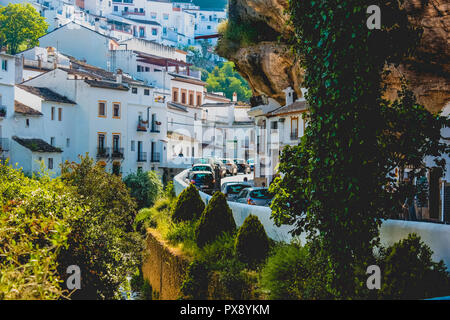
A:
[156, 157]
[4, 145]
[2, 112]
[142, 157]
[294, 135]
[117, 153]
[142, 126]
[103, 153]
[156, 126]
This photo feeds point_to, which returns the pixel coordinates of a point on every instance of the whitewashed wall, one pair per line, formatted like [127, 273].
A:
[436, 236]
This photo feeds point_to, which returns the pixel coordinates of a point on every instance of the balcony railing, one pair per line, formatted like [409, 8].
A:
[155, 127]
[142, 126]
[103, 153]
[156, 157]
[294, 135]
[142, 157]
[117, 153]
[4, 145]
[2, 112]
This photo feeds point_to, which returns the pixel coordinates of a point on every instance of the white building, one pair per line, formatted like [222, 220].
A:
[276, 127]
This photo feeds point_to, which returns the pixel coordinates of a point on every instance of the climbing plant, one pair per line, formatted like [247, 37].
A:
[338, 181]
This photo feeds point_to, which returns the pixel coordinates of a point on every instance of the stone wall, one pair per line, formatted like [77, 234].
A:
[164, 267]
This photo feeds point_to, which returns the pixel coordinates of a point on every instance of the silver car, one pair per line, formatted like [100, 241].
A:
[255, 196]
[231, 166]
[232, 189]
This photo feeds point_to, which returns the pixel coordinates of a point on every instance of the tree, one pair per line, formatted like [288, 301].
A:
[338, 182]
[189, 205]
[227, 80]
[145, 187]
[252, 243]
[102, 242]
[34, 228]
[216, 219]
[20, 27]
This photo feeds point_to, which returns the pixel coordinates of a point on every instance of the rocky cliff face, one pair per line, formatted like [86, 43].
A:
[270, 66]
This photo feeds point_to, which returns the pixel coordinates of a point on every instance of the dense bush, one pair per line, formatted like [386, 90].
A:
[145, 187]
[189, 205]
[195, 285]
[34, 227]
[408, 271]
[294, 272]
[252, 243]
[216, 219]
[102, 242]
[157, 216]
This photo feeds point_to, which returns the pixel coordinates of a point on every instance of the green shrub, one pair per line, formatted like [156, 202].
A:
[195, 285]
[408, 271]
[182, 232]
[169, 191]
[35, 218]
[216, 219]
[252, 243]
[189, 205]
[293, 272]
[157, 216]
[145, 187]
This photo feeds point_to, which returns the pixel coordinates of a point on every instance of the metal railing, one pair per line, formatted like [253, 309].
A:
[156, 157]
[155, 127]
[103, 153]
[117, 153]
[142, 126]
[294, 135]
[2, 111]
[142, 157]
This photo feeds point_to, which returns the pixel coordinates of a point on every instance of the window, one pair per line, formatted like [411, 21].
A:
[67, 142]
[116, 142]
[53, 113]
[102, 109]
[153, 15]
[141, 32]
[116, 8]
[154, 32]
[191, 98]
[183, 97]
[50, 163]
[208, 27]
[147, 69]
[134, 90]
[101, 141]
[175, 94]
[294, 127]
[195, 116]
[27, 123]
[116, 110]
[199, 99]
[133, 146]
[166, 16]
[138, 68]
[5, 65]
[59, 114]
[146, 92]
[52, 141]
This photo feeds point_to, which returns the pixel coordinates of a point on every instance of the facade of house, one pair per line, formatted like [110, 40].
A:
[276, 127]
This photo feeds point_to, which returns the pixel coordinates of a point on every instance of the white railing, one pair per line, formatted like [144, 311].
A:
[436, 236]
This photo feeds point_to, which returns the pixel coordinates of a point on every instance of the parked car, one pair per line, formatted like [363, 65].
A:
[242, 166]
[201, 167]
[255, 196]
[230, 165]
[232, 189]
[202, 161]
[222, 168]
[203, 180]
[251, 163]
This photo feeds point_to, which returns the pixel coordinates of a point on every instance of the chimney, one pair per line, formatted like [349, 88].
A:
[304, 91]
[289, 96]
[119, 76]
[235, 97]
